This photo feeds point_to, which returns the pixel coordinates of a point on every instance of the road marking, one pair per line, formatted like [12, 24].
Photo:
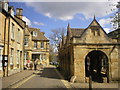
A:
[22, 82]
[65, 82]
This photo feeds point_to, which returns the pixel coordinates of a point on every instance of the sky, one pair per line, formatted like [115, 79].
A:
[54, 15]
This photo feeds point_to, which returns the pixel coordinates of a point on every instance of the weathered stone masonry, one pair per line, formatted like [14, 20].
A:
[91, 45]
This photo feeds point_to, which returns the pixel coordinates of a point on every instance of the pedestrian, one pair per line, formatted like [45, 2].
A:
[28, 64]
[35, 64]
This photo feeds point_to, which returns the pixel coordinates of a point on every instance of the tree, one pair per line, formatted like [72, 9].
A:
[116, 17]
[56, 37]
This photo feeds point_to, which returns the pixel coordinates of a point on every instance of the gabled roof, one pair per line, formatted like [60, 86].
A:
[94, 20]
[40, 35]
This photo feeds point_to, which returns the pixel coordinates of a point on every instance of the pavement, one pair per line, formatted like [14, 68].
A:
[96, 86]
[11, 80]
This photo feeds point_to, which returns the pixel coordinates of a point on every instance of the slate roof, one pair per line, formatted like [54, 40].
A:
[76, 31]
[40, 35]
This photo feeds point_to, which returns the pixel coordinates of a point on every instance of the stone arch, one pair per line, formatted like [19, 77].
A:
[96, 65]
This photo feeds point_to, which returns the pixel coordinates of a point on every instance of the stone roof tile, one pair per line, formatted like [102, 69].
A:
[40, 35]
[76, 31]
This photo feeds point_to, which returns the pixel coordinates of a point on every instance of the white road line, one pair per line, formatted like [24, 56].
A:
[23, 81]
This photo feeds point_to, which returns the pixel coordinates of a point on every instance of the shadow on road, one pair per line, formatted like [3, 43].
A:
[49, 72]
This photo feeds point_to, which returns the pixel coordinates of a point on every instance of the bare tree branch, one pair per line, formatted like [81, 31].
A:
[56, 36]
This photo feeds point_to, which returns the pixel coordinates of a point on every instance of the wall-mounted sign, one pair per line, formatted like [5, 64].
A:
[5, 60]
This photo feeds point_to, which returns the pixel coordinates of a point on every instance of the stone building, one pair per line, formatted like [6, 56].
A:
[89, 52]
[36, 46]
[116, 35]
[27, 46]
[11, 39]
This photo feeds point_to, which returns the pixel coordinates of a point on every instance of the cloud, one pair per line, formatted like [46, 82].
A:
[104, 22]
[68, 10]
[107, 30]
[38, 23]
[28, 22]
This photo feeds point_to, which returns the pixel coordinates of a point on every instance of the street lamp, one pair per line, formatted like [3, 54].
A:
[90, 77]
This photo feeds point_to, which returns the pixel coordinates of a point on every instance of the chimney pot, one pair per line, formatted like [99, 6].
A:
[19, 12]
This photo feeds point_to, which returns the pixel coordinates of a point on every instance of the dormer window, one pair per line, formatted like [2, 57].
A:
[34, 33]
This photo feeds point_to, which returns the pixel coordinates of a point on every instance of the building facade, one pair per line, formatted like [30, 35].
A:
[36, 46]
[89, 52]
[12, 41]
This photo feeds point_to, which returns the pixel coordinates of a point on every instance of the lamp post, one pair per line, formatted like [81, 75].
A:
[90, 77]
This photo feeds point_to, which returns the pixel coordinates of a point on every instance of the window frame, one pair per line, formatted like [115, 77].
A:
[42, 45]
[18, 35]
[12, 31]
[34, 33]
[35, 44]
[1, 58]
[18, 57]
[12, 57]
[26, 41]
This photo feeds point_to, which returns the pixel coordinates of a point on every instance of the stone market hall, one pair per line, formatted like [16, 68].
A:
[89, 51]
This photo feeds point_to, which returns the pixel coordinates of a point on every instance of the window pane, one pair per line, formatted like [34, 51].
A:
[0, 59]
[34, 33]
[18, 56]
[12, 56]
[35, 44]
[26, 41]
[12, 31]
[42, 44]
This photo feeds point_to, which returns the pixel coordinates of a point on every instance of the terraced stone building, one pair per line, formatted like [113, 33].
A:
[11, 39]
[36, 46]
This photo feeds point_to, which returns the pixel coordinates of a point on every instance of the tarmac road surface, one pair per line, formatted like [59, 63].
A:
[47, 78]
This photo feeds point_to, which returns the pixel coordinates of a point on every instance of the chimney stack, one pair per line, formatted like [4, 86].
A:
[19, 12]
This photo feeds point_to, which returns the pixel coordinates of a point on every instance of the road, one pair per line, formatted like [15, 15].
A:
[48, 78]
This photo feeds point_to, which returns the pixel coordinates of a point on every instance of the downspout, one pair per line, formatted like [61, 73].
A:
[23, 61]
[8, 44]
[4, 47]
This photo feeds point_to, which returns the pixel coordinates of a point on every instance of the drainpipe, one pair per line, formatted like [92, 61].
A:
[8, 44]
[23, 59]
[4, 47]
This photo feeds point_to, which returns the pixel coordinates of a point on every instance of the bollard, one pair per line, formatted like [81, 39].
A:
[90, 82]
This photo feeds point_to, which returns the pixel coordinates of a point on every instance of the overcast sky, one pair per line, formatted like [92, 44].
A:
[52, 15]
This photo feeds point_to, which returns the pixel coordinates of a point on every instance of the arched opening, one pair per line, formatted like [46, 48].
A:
[96, 65]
